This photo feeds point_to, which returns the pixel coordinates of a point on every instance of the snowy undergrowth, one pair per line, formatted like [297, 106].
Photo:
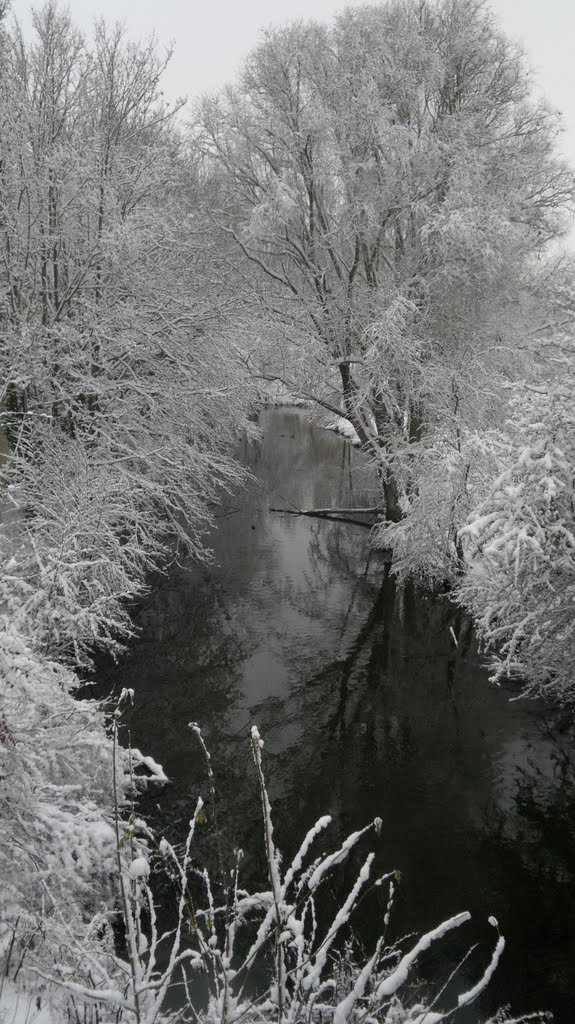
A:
[223, 935]
[18, 1006]
[57, 837]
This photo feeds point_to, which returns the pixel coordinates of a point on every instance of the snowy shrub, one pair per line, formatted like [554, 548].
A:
[57, 836]
[56, 842]
[519, 546]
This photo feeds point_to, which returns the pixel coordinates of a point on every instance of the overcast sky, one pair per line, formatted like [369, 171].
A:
[211, 36]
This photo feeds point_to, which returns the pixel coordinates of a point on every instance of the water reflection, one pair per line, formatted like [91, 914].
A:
[368, 707]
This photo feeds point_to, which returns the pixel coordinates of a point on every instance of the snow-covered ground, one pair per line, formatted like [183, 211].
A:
[18, 1006]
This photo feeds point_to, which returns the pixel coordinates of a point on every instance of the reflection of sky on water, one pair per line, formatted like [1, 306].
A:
[367, 708]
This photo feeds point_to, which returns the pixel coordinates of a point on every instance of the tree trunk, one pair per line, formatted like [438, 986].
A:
[383, 421]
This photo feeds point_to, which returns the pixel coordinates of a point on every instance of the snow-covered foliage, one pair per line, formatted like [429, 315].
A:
[261, 956]
[121, 396]
[425, 540]
[54, 833]
[57, 851]
[519, 544]
[275, 395]
[71, 569]
[64, 785]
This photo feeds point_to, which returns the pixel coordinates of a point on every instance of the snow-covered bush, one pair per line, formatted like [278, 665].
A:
[56, 780]
[519, 545]
[56, 835]
[61, 778]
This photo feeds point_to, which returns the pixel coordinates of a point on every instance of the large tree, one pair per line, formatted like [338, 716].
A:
[389, 182]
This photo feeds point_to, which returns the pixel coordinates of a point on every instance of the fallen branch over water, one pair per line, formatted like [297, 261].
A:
[329, 511]
[337, 515]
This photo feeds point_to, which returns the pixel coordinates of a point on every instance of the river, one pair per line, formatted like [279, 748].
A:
[367, 707]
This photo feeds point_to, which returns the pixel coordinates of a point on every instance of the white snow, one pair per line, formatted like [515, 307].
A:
[140, 868]
[398, 977]
[18, 1006]
[342, 426]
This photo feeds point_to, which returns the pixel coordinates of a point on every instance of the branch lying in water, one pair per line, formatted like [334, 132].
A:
[337, 515]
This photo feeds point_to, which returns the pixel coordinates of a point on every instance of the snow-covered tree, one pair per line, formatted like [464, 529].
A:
[121, 396]
[388, 182]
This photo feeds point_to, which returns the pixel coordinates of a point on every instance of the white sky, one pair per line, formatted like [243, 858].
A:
[211, 36]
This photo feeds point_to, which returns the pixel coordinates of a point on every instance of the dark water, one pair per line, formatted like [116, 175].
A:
[367, 708]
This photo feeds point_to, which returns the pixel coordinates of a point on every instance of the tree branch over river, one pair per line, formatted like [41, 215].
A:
[340, 515]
